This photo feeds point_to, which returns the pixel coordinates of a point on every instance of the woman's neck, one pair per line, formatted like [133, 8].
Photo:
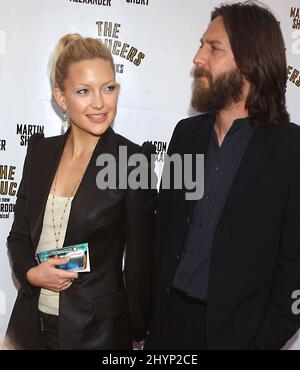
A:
[80, 143]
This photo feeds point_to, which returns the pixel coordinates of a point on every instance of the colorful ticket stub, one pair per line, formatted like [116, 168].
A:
[78, 255]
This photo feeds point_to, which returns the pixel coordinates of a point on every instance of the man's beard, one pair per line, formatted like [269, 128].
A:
[212, 96]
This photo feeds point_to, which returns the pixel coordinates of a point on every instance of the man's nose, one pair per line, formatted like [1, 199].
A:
[200, 59]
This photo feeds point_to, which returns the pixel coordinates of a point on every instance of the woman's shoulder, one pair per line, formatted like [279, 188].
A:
[35, 138]
[146, 148]
[40, 140]
[123, 141]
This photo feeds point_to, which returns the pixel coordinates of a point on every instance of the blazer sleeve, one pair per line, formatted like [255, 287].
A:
[140, 213]
[164, 204]
[19, 241]
[280, 323]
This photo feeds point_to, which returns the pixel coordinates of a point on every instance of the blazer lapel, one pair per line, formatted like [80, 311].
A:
[88, 197]
[198, 144]
[44, 166]
[252, 163]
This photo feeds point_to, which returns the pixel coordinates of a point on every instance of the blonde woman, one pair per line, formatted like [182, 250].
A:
[59, 204]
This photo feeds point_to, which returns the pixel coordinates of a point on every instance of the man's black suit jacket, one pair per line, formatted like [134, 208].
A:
[255, 262]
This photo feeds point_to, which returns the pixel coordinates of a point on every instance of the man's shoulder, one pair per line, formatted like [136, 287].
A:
[199, 122]
[288, 133]
[194, 125]
[284, 139]
[292, 129]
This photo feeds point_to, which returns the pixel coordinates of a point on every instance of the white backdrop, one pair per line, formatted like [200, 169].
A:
[155, 94]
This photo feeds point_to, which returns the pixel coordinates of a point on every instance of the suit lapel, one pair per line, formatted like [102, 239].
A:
[88, 197]
[252, 163]
[44, 165]
[198, 143]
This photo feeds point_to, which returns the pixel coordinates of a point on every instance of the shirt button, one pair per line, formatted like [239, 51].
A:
[168, 290]
[217, 168]
[177, 257]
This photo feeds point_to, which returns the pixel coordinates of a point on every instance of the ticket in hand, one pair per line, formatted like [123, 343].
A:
[78, 254]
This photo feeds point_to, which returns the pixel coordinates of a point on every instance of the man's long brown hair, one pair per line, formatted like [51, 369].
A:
[258, 47]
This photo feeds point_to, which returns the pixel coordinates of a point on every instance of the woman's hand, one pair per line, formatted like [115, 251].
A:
[138, 344]
[47, 276]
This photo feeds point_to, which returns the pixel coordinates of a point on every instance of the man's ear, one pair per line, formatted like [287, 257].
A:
[59, 98]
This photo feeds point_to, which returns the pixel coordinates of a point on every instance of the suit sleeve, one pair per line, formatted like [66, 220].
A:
[280, 323]
[164, 204]
[138, 269]
[19, 241]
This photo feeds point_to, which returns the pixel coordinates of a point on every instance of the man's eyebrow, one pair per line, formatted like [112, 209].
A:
[211, 41]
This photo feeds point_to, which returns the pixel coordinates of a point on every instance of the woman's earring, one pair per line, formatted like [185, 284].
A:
[65, 120]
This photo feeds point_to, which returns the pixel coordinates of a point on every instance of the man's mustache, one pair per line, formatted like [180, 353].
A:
[200, 72]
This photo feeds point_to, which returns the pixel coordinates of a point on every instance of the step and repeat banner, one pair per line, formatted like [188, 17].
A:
[153, 43]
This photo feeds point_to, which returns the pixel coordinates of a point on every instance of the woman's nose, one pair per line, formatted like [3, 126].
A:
[97, 101]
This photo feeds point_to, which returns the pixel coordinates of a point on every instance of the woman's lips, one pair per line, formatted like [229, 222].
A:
[97, 118]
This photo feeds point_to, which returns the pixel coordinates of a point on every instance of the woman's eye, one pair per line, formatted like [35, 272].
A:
[82, 91]
[110, 88]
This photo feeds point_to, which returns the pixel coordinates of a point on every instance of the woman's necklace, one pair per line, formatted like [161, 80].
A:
[55, 231]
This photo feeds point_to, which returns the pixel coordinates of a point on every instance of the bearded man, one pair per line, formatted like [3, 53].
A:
[227, 266]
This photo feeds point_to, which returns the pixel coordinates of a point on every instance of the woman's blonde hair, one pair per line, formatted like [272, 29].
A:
[73, 48]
